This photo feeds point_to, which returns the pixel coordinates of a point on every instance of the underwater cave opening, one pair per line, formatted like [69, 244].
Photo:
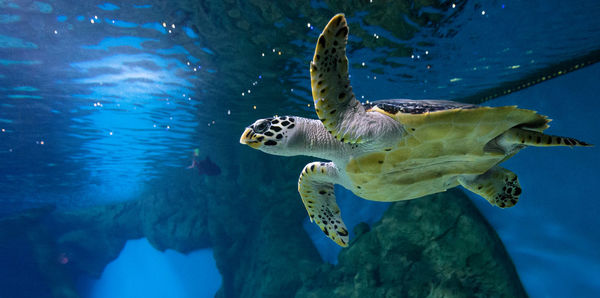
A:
[140, 270]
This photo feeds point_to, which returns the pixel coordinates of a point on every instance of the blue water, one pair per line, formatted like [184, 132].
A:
[551, 236]
[142, 271]
[98, 99]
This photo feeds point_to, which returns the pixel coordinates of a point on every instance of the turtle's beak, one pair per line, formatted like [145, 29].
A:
[250, 138]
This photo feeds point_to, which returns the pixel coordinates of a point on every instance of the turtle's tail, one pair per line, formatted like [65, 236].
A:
[516, 136]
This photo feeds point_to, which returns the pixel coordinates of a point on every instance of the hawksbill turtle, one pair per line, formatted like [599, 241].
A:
[399, 149]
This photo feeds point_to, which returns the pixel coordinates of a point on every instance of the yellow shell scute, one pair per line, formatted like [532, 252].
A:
[370, 163]
[435, 149]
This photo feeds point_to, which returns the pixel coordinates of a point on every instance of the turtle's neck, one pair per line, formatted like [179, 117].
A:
[312, 139]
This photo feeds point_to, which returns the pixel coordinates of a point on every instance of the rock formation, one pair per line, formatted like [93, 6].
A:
[435, 246]
[439, 246]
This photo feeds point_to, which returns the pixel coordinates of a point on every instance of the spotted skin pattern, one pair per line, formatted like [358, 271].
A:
[319, 199]
[534, 138]
[331, 90]
[269, 131]
[498, 186]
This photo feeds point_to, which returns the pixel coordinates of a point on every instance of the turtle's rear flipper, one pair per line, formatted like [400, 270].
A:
[316, 189]
[533, 138]
[498, 185]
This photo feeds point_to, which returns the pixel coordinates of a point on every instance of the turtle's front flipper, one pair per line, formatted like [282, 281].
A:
[498, 185]
[334, 100]
[316, 189]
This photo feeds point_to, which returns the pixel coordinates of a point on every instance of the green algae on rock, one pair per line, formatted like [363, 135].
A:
[438, 246]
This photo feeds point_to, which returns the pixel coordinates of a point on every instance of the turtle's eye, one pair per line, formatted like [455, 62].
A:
[262, 126]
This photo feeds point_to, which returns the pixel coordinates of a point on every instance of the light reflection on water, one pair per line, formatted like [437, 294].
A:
[103, 111]
[119, 92]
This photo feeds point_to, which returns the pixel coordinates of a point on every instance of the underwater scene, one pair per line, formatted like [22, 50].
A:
[255, 148]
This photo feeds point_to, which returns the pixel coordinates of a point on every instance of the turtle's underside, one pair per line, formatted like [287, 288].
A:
[394, 150]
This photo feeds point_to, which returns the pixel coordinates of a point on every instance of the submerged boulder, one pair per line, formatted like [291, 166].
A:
[438, 246]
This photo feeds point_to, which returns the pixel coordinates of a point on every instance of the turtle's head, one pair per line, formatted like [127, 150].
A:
[271, 135]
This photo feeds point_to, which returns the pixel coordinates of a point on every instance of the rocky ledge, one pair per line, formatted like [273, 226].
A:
[438, 246]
